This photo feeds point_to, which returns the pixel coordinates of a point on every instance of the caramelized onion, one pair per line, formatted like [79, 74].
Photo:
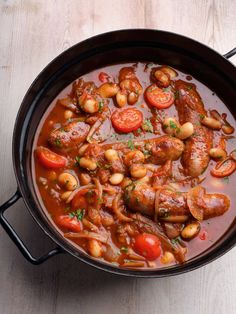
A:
[88, 235]
[117, 209]
[84, 187]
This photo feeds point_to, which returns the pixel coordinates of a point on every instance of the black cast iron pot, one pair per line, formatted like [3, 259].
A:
[182, 53]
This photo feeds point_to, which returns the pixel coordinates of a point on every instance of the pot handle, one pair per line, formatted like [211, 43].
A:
[230, 54]
[16, 239]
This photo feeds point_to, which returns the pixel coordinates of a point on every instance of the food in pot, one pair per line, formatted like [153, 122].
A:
[133, 163]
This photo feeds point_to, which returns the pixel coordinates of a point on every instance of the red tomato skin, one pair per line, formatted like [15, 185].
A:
[152, 98]
[122, 120]
[222, 171]
[70, 223]
[103, 77]
[148, 246]
[49, 159]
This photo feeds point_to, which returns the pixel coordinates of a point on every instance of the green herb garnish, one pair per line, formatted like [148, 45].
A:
[76, 164]
[201, 116]
[57, 142]
[226, 180]
[79, 214]
[101, 104]
[124, 249]
[147, 126]
[130, 144]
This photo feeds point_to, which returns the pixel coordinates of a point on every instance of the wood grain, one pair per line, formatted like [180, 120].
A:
[32, 33]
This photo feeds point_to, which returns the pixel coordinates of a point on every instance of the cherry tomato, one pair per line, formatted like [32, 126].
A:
[70, 223]
[147, 245]
[127, 120]
[103, 77]
[159, 97]
[224, 168]
[49, 159]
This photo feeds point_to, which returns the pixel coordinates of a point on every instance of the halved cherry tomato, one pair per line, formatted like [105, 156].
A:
[127, 120]
[70, 223]
[147, 245]
[103, 77]
[84, 198]
[50, 159]
[224, 168]
[159, 97]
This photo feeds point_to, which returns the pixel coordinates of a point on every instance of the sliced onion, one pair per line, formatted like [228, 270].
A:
[100, 191]
[72, 195]
[88, 235]
[90, 225]
[92, 130]
[133, 264]
[117, 210]
[194, 196]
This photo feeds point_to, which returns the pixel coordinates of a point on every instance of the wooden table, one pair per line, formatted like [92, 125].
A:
[31, 34]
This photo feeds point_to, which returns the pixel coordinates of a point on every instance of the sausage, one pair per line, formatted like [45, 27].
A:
[190, 108]
[69, 136]
[165, 148]
[160, 149]
[174, 206]
[140, 198]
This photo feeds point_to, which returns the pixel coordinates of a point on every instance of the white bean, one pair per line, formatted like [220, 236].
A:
[167, 70]
[132, 98]
[211, 123]
[95, 248]
[65, 195]
[111, 155]
[116, 178]
[68, 181]
[167, 258]
[138, 171]
[217, 153]
[90, 105]
[121, 99]
[185, 131]
[162, 78]
[170, 126]
[108, 90]
[191, 230]
[87, 163]
[68, 114]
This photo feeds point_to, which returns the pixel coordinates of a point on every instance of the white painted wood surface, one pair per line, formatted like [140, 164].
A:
[31, 34]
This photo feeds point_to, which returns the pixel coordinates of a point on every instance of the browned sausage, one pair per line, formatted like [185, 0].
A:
[140, 198]
[69, 136]
[190, 107]
[173, 206]
[160, 149]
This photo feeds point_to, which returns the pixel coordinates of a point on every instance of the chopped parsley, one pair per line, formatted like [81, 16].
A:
[124, 249]
[57, 142]
[147, 126]
[101, 104]
[201, 116]
[226, 180]
[175, 241]
[79, 214]
[130, 144]
[66, 209]
[189, 87]
[176, 94]
[173, 125]
[76, 164]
